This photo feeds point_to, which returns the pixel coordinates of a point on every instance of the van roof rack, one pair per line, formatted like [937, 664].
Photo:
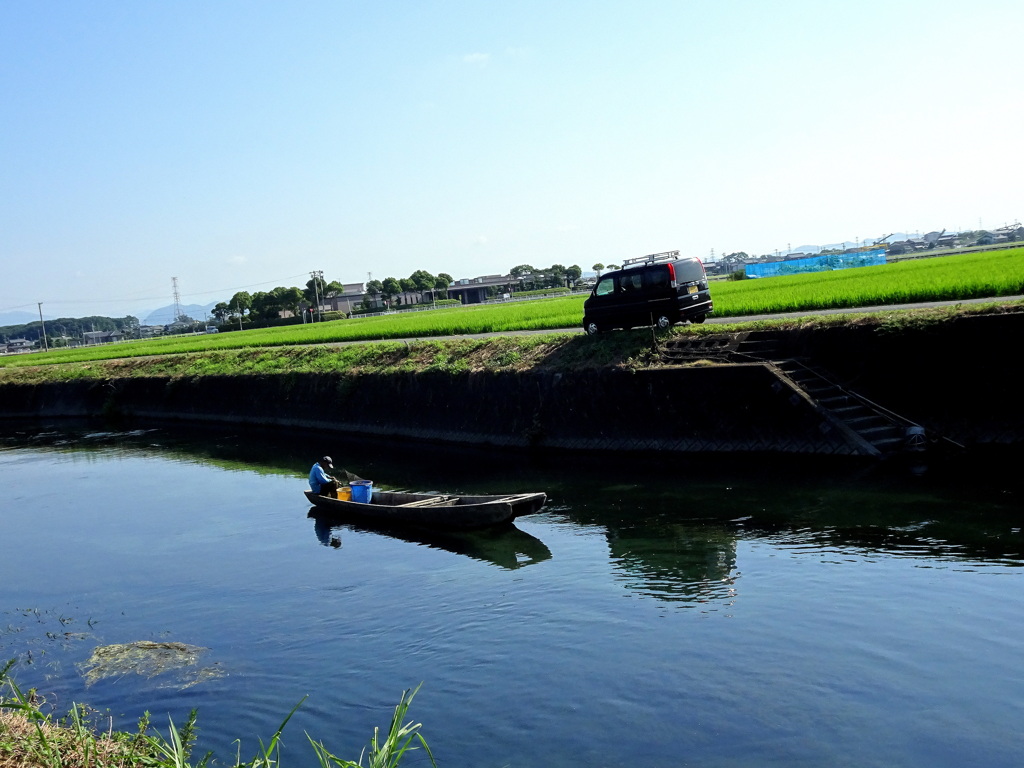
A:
[653, 257]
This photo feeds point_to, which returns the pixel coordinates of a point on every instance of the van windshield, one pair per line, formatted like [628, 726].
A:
[605, 286]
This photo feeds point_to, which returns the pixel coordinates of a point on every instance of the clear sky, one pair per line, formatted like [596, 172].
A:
[240, 145]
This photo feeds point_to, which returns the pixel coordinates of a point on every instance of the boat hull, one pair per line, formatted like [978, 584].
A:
[431, 510]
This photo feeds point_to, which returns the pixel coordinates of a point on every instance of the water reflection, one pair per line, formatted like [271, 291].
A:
[234, 451]
[672, 527]
[676, 562]
[991, 538]
[676, 539]
[505, 546]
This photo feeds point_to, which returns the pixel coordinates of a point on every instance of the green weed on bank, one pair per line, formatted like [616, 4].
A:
[29, 738]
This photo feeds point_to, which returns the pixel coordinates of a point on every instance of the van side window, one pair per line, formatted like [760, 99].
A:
[631, 282]
[658, 277]
[606, 286]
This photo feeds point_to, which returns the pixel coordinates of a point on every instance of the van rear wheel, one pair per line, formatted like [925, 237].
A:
[662, 323]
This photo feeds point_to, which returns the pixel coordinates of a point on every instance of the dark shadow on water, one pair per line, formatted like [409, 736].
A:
[505, 546]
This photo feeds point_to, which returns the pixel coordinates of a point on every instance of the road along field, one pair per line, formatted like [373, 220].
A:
[967, 276]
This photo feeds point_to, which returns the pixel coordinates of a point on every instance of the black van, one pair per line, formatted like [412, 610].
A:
[660, 290]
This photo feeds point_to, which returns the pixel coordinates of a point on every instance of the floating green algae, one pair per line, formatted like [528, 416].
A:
[149, 659]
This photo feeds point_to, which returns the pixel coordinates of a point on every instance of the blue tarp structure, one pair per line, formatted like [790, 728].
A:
[818, 264]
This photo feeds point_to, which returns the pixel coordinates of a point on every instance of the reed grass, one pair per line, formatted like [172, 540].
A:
[30, 738]
[402, 738]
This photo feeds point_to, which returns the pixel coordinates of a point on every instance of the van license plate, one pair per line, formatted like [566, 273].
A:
[691, 289]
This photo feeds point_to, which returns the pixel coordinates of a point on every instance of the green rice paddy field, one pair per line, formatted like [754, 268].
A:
[964, 276]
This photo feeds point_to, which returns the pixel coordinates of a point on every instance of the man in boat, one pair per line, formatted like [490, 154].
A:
[320, 482]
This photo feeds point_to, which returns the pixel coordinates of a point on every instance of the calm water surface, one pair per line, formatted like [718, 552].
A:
[656, 614]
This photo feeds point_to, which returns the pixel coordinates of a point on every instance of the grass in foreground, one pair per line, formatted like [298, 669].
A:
[29, 738]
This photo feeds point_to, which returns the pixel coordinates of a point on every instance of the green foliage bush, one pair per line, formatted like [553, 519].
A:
[275, 322]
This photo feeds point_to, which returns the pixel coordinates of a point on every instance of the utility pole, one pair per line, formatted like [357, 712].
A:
[317, 276]
[46, 347]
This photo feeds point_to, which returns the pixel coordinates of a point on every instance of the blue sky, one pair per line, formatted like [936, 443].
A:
[240, 145]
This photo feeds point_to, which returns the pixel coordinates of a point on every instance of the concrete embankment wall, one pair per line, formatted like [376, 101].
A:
[727, 408]
[957, 378]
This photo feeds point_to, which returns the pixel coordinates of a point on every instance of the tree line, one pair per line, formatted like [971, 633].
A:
[267, 305]
[59, 331]
[555, 276]
[391, 291]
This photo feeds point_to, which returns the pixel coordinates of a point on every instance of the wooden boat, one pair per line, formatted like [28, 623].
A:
[426, 510]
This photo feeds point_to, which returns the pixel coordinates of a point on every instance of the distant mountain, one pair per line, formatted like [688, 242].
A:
[837, 246]
[161, 316]
[165, 315]
[807, 249]
[19, 318]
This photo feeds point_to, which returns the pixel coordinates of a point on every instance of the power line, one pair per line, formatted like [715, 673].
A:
[19, 306]
[221, 291]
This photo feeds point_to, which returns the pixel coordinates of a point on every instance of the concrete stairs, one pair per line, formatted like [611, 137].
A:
[876, 431]
[880, 432]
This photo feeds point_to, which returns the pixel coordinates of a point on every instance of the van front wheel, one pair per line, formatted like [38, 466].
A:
[591, 328]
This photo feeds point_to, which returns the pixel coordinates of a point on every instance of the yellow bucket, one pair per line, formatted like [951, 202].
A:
[344, 493]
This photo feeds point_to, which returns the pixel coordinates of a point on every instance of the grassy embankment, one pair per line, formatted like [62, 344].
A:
[30, 738]
[968, 276]
[550, 352]
[284, 350]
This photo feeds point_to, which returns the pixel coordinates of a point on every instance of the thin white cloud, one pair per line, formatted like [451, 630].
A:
[237, 260]
[476, 59]
[480, 240]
